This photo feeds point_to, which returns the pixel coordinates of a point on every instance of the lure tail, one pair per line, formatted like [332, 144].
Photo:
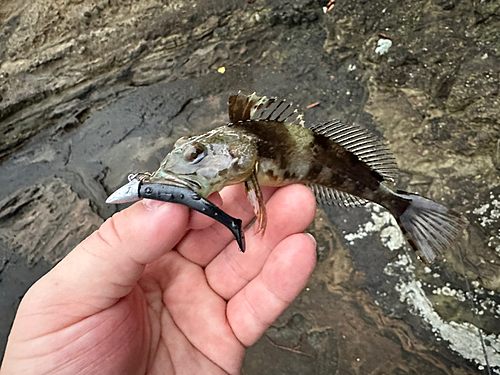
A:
[430, 227]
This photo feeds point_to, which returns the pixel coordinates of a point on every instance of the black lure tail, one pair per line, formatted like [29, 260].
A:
[186, 197]
[430, 227]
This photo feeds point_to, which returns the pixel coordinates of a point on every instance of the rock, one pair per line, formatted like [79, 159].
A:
[50, 220]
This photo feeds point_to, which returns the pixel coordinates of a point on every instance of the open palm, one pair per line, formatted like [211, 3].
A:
[160, 290]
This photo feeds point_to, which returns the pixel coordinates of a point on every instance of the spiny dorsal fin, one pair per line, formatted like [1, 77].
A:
[253, 107]
[329, 197]
[366, 146]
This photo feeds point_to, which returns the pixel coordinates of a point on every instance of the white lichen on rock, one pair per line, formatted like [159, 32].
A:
[382, 222]
[383, 46]
[462, 337]
[488, 216]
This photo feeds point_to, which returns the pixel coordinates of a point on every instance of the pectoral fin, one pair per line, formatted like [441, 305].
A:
[254, 195]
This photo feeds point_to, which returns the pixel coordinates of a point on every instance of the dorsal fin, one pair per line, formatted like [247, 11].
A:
[366, 146]
[328, 196]
[261, 108]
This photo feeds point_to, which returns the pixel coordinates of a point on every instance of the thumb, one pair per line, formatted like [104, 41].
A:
[106, 266]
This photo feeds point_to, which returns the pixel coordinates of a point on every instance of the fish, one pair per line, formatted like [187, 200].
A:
[267, 144]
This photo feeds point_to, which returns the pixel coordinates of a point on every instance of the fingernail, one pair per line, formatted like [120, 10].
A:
[312, 238]
[152, 204]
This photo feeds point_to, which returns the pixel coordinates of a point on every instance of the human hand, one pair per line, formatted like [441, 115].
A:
[162, 290]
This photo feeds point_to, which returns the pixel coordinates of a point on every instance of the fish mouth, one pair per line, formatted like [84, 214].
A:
[174, 180]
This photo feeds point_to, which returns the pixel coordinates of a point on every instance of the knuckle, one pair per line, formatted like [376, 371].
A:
[109, 233]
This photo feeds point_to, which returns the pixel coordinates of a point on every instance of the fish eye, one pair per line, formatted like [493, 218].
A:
[194, 152]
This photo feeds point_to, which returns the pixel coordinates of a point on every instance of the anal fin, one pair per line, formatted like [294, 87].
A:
[254, 195]
[329, 197]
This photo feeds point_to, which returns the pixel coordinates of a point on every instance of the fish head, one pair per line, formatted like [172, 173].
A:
[208, 162]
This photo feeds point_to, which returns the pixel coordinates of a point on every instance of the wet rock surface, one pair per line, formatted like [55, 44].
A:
[49, 220]
[91, 91]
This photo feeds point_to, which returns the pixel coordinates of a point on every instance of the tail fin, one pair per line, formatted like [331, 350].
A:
[430, 227]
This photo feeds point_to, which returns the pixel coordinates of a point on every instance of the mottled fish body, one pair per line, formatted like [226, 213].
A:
[266, 144]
